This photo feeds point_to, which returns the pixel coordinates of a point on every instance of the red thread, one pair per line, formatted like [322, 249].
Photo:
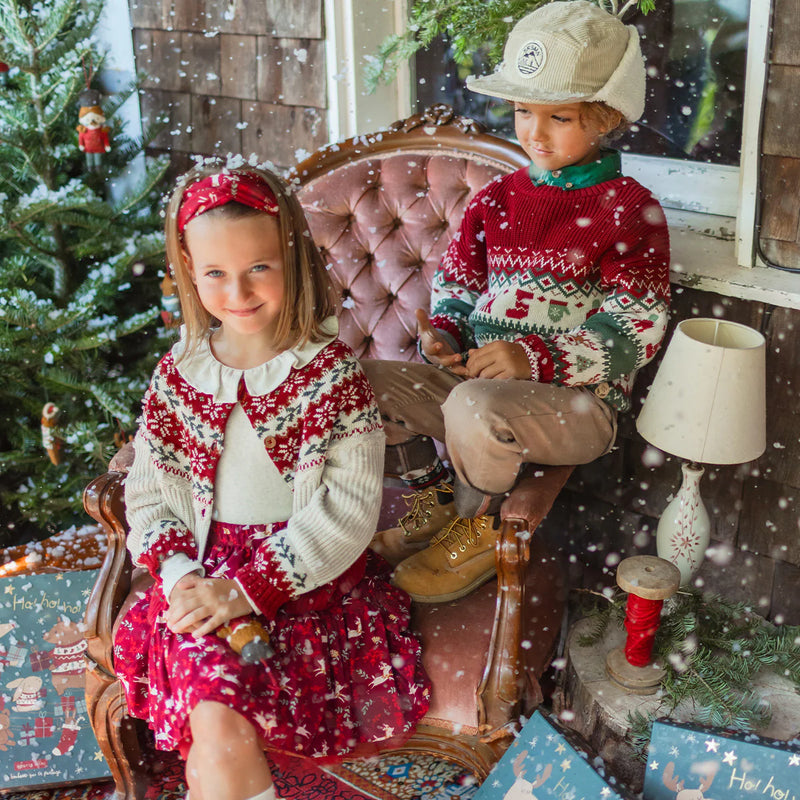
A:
[642, 618]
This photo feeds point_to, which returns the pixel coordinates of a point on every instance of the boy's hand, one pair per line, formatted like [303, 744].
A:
[200, 605]
[434, 346]
[498, 360]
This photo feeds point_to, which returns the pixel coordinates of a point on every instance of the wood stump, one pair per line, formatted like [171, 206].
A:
[597, 708]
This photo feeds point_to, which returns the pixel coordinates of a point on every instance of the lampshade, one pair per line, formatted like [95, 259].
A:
[707, 403]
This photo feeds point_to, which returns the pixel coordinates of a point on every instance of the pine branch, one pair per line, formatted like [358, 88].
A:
[469, 26]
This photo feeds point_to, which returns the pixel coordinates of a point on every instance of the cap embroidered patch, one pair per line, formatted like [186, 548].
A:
[531, 58]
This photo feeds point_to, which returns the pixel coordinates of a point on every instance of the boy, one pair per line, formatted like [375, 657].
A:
[551, 296]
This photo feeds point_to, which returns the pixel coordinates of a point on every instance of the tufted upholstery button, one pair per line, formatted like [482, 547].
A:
[270, 442]
[397, 222]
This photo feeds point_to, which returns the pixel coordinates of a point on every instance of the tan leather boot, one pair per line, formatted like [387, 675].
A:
[460, 558]
[429, 511]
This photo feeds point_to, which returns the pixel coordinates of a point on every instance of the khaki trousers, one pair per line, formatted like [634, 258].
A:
[491, 427]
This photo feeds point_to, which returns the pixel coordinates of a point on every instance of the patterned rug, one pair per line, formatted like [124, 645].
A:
[389, 777]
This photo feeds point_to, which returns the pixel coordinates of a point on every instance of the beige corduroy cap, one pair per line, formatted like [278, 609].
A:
[566, 51]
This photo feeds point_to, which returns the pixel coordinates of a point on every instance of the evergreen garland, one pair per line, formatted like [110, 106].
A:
[78, 284]
[712, 650]
[468, 25]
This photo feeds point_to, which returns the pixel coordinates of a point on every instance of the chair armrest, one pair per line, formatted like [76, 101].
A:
[104, 501]
[533, 496]
[504, 681]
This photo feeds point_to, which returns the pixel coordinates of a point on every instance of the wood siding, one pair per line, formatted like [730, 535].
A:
[232, 77]
[779, 235]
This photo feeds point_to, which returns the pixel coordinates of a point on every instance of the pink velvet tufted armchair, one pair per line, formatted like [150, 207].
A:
[383, 208]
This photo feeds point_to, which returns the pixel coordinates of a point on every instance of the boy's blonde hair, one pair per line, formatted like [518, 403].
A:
[605, 118]
[308, 294]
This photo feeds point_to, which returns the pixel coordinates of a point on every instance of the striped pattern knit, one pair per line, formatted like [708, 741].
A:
[323, 432]
[579, 278]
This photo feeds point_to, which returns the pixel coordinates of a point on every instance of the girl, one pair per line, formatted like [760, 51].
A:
[255, 490]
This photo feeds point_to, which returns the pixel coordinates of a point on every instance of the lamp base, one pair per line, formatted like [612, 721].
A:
[684, 529]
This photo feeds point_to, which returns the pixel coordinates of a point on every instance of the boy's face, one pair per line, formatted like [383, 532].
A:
[554, 136]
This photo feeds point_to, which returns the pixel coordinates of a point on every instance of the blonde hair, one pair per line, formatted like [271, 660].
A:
[308, 295]
[605, 118]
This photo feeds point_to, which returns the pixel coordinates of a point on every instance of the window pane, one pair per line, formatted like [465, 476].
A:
[695, 51]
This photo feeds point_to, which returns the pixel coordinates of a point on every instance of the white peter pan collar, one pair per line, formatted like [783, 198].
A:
[201, 370]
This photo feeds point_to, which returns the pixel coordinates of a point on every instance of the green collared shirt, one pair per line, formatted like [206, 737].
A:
[606, 168]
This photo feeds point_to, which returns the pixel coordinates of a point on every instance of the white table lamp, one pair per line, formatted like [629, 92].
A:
[707, 405]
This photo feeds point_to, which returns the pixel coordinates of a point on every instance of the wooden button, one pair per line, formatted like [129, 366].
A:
[270, 442]
[602, 390]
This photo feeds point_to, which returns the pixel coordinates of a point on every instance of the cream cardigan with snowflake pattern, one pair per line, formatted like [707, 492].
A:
[316, 415]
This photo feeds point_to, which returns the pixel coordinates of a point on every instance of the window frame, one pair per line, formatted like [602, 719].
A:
[712, 251]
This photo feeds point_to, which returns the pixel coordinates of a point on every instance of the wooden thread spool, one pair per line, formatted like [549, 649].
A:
[649, 581]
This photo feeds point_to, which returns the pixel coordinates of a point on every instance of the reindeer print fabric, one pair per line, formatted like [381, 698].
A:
[346, 671]
[45, 736]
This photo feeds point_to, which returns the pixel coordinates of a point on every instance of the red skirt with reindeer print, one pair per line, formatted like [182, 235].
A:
[346, 670]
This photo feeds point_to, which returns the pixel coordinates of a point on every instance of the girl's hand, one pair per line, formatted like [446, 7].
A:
[200, 605]
[433, 345]
[498, 360]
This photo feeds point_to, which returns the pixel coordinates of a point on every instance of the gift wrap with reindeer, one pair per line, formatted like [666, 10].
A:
[687, 762]
[45, 736]
[547, 762]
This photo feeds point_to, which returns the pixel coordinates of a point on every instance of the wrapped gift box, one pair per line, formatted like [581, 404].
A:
[45, 735]
[719, 764]
[549, 761]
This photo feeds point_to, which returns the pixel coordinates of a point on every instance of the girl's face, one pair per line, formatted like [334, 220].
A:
[554, 136]
[237, 267]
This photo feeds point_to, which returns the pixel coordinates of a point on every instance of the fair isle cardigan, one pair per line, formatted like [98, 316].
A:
[575, 271]
[320, 425]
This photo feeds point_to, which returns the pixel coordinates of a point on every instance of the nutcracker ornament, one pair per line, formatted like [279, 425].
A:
[247, 638]
[93, 136]
[170, 304]
[51, 441]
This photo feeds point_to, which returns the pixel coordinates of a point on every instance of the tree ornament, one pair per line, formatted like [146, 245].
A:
[93, 136]
[51, 441]
[170, 304]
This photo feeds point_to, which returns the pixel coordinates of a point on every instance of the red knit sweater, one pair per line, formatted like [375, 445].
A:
[579, 277]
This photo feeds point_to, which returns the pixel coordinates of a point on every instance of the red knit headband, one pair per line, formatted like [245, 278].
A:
[217, 190]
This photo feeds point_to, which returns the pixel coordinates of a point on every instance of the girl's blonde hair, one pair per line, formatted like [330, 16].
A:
[308, 295]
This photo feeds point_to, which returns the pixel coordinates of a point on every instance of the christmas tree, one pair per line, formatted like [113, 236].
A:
[78, 286]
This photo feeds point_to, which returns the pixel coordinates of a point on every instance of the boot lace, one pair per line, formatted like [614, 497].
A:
[460, 534]
[421, 507]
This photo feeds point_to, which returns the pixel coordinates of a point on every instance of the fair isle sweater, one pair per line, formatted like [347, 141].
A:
[315, 413]
[575, 271]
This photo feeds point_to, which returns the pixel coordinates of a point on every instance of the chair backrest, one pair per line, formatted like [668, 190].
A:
[383, 208]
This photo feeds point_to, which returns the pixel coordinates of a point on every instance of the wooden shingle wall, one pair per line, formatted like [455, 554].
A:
[780, 164]
[233, 76]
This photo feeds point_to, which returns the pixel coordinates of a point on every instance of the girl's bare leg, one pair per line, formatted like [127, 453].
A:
[226, 761]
